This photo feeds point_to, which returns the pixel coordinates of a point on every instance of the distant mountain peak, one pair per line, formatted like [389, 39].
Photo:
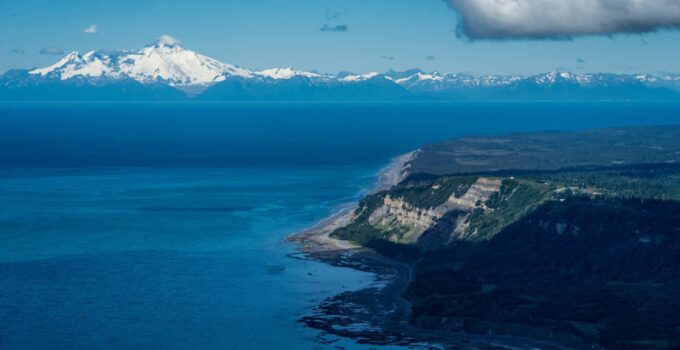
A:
[286, 73]
[74, 64]
[360, 77]
[162, 61]
[165, 62]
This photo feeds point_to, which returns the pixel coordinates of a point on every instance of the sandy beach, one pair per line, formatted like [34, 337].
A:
[380, 305]
[379, 314]
[317, 239]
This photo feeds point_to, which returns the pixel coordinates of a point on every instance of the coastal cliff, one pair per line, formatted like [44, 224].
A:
[403, 222]
[580, 249]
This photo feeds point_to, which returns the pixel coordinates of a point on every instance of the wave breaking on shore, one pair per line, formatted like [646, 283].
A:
[318, 237]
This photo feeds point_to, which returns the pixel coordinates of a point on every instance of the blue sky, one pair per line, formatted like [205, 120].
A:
[379, 35]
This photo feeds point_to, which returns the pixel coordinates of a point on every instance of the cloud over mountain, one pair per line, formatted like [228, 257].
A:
[168, 40]
[546, 19]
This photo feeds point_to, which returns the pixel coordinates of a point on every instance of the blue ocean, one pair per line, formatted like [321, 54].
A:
[163, 226]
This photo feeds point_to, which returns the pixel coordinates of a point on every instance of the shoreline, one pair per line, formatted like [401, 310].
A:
[316, 239]
[378, 314]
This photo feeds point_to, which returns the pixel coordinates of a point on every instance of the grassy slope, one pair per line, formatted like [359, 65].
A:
[421, 194]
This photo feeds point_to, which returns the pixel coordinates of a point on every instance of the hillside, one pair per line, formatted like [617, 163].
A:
[569, 237]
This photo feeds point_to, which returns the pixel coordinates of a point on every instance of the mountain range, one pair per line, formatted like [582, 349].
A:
[165, 71]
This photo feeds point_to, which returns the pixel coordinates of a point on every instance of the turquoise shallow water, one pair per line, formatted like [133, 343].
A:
[163, 226]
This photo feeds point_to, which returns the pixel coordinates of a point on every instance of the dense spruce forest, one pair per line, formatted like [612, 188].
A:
[570, 237]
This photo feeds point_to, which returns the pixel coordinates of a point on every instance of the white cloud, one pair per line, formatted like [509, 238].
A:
[168, 40]
[91, 29]
[541, 19]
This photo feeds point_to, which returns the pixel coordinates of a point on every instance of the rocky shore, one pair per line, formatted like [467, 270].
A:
[317, 239]
[378, 314]
[372, 315]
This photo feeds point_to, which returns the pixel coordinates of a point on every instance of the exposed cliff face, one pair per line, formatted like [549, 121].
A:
[406, 223]
[476, 196]
[575, 239]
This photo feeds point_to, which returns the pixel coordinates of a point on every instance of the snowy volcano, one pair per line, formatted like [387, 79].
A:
[164, 70]
[164, 61]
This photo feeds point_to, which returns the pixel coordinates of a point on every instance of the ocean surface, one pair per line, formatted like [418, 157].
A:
[163, 226]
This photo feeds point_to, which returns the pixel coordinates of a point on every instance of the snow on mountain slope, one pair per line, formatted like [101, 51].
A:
[160, 62]
[360, 77]
[67, 62]
[422, 80]
[166, 62]
[74, 64]
[286, 73]
[420, 76]
[176, 66]
[163, 61]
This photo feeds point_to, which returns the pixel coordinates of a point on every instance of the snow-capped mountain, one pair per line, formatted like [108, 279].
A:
[166, 70]
[162, 61]
[286, 73]
[359, 77]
